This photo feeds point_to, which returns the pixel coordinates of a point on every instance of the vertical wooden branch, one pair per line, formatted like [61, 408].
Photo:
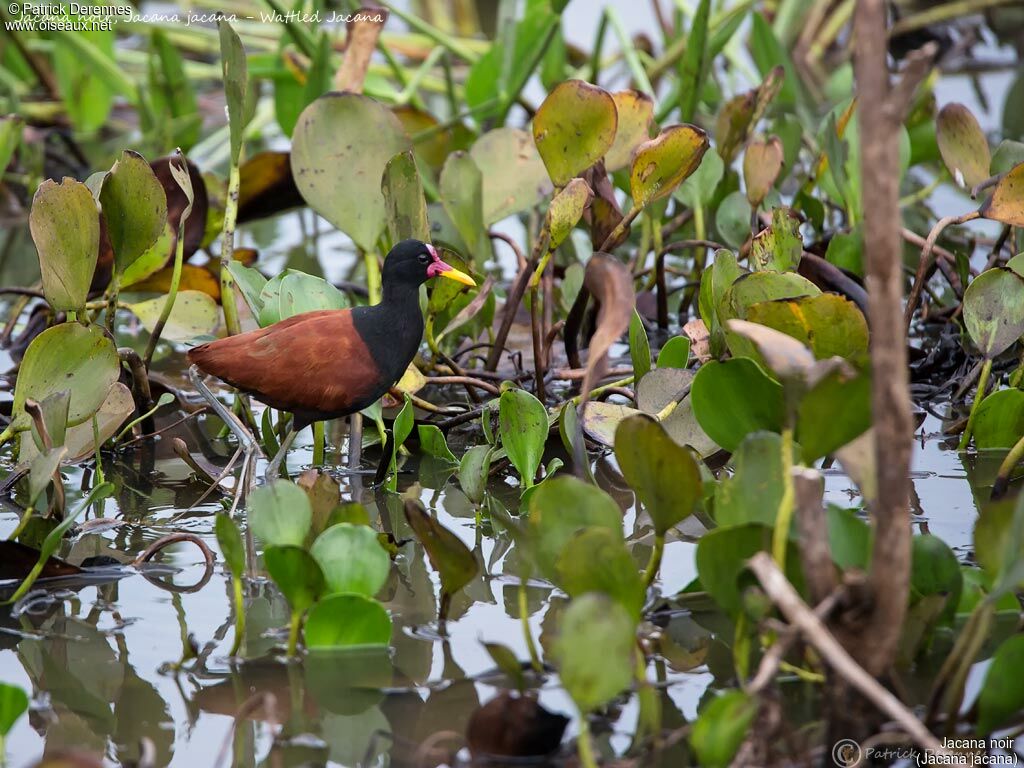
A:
[881, 109]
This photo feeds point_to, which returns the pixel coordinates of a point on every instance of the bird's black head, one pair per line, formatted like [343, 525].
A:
[411, 263]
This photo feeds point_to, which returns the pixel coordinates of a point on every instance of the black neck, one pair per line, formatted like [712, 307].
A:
[393, 328]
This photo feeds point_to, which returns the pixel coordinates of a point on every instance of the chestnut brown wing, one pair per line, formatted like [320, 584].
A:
[314, 362]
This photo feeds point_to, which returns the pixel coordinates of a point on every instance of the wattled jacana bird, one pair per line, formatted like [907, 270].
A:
[329, 363]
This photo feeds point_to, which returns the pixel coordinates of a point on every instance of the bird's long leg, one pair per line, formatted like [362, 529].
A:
[274, 467]
[246, 442]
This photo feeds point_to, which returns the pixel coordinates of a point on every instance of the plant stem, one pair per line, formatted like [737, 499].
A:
[1011, 460]
[979, 395]
[651, 572]
[584, 748]
[527, 635]
[172, 292]
[236, 582]
[22, 522]
[318, 443]
[227, 250]
[784, 518]
[372, 277]
[293, 632]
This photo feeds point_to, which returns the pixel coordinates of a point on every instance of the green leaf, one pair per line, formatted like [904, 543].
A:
[566, 210]
[453, 561]
[778, 247]
[65, 226]
[999, 420]
[594, 650]
[635, 112]
[251, 283]
[559, 508]
[173, 97]
[753, 492]
[662, 473]
[72, 357]
[994, 310]
[134, 208]
[829, 324]
[734, 398]
[230, 542]
[280, 514]
[10, 137]
[935, 571]
[432, 443]
[722, 556]
[347, 621]
[514, 177]
[836, 410]
[194, 314]
[723, 723]
[296, 574]
[963, 145]
[86, 93]
[639, 347]
[235, 74]
[663, 163]
[403, 199]
[473, 472]
[461, 192]
[999, 544]
[756, 287]
[355, 133]
[523, 425]
[1001, 695]
[675, 353]
[293, 292]
[694, 65]
[732, 219]
[574, 128]
[769, 53]
[13, 704]
[597, 560]
[699, 188]
[351, 559]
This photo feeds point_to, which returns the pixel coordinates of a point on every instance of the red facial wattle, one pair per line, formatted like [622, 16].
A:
[438, 268]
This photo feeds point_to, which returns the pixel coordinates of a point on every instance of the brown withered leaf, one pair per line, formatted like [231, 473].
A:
[266, 186]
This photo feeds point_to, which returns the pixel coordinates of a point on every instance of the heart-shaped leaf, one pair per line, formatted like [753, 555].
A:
[68, 356]
[296, 574]
[594, 650]
[829, 324]
[194, 314]
[340, 149]
[731, 399]
[994, 309]
[635, 116]
[999, 421]
[566, 210]
[347, 621]
[574, 128]
[663, 163]
[597, 560]
[663, 475]
[134, 208]
[352, 559]
[963, 145]
[280, 514]
[523, 424]
[514, 177]
[65, 226]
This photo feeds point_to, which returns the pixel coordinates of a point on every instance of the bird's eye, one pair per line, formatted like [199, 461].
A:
[424, 258]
